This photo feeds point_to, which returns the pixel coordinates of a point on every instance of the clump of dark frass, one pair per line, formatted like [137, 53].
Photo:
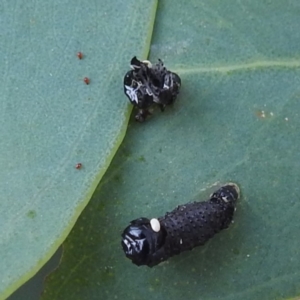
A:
[187, 226]
[146, 85]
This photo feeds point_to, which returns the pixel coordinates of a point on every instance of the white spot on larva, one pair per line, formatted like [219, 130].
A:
[248, 255]
[148, 63]
[286, 119]
[131, 92]
[180, 241]
[149, 92]
[225, 199]
[271, 114]
[155, 225]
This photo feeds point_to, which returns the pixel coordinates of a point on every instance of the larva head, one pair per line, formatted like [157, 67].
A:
[229, 193]
[140, 240]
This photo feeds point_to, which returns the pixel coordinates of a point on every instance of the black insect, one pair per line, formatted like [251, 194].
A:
[149, 242]
[147, 84]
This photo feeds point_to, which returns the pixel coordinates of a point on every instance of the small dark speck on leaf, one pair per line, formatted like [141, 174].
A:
[107, 274]
[126, 154]
[86, 80]
[31, 214]
[141, 158]
[101, 207]
[118, 177]
[235, 251]
[80, 55]
[78, 166]
[159, 150]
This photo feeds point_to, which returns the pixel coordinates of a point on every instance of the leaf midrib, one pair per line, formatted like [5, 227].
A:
[259, 64]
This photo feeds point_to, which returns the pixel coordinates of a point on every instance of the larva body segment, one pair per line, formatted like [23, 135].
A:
[182, 229]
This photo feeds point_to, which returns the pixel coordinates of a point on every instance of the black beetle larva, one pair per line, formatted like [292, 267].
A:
[149, 242]
[146, 84]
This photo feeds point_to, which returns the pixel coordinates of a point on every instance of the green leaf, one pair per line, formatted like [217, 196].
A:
[236, 119]
[51, 120]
